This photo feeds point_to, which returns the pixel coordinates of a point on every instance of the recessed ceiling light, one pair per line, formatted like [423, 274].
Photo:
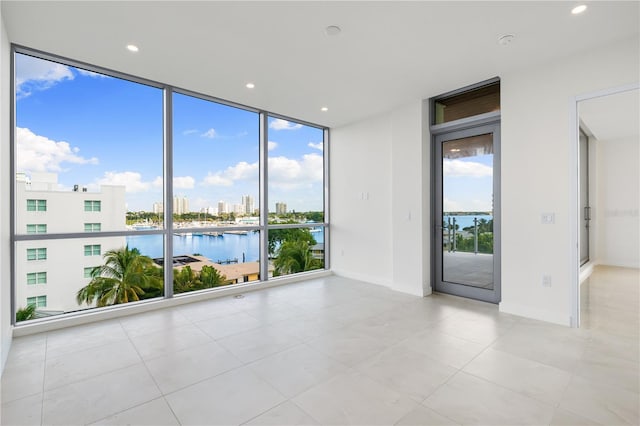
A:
[324, 109]
[132, 47]
[506, 39]
[579, 9]
[332, 30]
[250, 85]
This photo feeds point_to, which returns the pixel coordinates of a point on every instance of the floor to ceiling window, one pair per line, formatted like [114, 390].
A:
[127, 190]
[296, 197]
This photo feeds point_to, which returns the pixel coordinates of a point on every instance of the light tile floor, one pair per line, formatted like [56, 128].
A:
[336, 351]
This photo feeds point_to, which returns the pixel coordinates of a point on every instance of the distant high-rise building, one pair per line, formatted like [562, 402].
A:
[180, 205]
[223, 207]
[248, 204]
[158, 208]
[281, 208]
[238, 209]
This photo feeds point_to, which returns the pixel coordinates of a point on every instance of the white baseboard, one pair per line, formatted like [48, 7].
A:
[533, 313]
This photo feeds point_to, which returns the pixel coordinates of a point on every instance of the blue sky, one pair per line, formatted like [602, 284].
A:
[93, 130]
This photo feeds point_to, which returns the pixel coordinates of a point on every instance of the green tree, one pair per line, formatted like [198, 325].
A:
[279, 236]
[124, 277]
[185, 280]
[315, 216]
[485, 243]
[295, 256]
[24, 314]
[211, 277]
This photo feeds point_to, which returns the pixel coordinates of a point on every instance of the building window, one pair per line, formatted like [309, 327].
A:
[467, 104]
[37, 301]
[36, 228]
[92, 205]
[37, 278]
[36, 254]
[36, 205]
[92, 250]
[92, 227]
[88, 271]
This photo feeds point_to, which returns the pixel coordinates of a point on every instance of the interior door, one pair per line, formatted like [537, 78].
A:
[467, 219]
[585, 209]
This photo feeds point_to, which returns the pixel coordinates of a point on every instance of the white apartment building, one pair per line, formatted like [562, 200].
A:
[281, 208]
[248, 204]
[180, 205]
[49, 272]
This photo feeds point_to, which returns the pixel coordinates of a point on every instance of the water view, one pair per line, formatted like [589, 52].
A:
[218, 249]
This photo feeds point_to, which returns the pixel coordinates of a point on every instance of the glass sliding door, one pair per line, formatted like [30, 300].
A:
[467, 262]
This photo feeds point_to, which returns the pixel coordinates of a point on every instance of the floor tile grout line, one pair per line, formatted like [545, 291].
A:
[130, 408]
[346, 367]
[203, 380]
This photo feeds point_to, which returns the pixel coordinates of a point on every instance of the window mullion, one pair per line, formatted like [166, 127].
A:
[167, 112]
[264, 201]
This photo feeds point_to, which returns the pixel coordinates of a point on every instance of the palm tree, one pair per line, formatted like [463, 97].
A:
[24, 314]
[295, 256]
[123, 278]
[211, 277]
[185, 280]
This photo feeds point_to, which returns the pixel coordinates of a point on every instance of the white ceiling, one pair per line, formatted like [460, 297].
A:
[389, 53]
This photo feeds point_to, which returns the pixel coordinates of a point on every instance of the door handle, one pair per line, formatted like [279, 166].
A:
[587, 213]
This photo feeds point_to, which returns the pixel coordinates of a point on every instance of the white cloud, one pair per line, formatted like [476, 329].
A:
[280, 124]
[40, 154]
[285, 173]
[131, 180]
[189, 132]
[217, 179]
[289, 173]
[87, 73]
[459, 168]
[241, 171]
[211, 133]
[183, 182]
[33, 74]
[272, 145]
[319, 146]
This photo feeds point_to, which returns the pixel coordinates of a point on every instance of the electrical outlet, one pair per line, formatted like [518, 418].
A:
[548, 218]
[546, 280]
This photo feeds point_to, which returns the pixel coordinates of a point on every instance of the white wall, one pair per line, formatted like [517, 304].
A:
[5, 288]
[537, 170]
[618, 202]
[410, 188]
[360, 164]
[380, 238]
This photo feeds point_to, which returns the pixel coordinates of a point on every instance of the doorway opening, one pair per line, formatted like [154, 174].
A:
[608, 120]
[466, 174]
